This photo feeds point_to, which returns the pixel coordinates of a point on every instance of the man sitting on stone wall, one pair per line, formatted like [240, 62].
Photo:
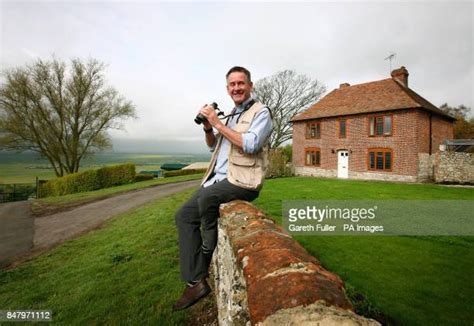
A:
[236, 171]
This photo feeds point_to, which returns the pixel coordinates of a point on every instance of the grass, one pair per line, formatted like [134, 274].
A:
[24, 173]
[50, 205]
[25, 167]
[27, 173]
[412, 280]
[127, 272]
[124, 273]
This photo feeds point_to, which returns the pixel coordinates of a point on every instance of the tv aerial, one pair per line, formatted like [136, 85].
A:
[390, 57]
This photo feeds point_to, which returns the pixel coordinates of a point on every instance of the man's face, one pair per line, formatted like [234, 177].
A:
[238, 87]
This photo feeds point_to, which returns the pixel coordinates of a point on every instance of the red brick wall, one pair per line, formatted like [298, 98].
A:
[441, 129]
[409, 137]
[423, 131]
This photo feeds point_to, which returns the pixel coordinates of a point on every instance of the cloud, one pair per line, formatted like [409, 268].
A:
[171, 58]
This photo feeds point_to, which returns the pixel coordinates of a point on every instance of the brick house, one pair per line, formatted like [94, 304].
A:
[378, 130]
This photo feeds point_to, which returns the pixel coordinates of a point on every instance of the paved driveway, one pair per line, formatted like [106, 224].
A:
[16, 230]
[22, 234]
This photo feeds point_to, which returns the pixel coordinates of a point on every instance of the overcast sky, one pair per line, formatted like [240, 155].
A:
[171, 58]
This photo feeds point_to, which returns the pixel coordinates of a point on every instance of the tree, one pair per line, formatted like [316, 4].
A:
[463, 128]
[61, 112]
[286, 94]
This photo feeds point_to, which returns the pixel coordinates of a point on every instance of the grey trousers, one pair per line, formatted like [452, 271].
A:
[196, 222]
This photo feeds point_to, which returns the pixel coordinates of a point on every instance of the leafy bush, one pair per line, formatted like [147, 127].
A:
[182, 172]
[89, 180]
[143, 177]
[115, 175]
[154, 173]
[278, 164]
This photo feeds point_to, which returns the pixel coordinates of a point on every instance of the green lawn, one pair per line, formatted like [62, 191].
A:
[128, 272]
[412, 280]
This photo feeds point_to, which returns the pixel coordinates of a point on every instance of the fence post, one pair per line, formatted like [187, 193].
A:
[37, 187]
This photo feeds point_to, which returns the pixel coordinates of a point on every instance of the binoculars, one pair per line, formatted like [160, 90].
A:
[200, 118]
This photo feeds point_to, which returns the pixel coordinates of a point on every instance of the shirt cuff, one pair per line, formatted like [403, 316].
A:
[248, 142]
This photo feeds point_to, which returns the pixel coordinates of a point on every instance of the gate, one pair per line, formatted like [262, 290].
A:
[17, 191]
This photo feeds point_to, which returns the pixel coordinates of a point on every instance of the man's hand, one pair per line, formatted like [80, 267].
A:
[213, 121]
[210, 137]
[211, 116]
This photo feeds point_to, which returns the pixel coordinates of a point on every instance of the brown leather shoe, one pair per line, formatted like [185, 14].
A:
[192, 294]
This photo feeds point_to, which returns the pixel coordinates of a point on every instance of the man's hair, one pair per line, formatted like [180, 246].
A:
[239, 69]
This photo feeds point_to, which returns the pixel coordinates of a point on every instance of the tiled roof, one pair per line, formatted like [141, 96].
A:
[382, 95]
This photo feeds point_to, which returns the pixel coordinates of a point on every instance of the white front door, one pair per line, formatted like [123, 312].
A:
[343, 164]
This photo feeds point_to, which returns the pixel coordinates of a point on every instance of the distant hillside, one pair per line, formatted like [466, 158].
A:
[108, 158]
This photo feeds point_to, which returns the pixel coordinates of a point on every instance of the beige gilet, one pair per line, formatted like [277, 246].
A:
[243, 170]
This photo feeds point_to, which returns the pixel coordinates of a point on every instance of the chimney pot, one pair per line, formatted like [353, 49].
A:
[401, 74]
[344, 85]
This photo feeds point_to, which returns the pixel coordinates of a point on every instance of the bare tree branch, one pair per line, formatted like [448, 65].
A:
[59, 111]
[287, 94]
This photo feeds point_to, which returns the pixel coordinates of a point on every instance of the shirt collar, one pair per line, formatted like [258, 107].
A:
[243, 104]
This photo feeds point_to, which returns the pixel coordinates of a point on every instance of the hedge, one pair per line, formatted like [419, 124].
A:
[143, 177]
[115, 175]
[89, 180]
[175, 173]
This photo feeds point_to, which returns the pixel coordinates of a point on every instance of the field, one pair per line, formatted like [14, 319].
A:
[127, 272]
[25, 167]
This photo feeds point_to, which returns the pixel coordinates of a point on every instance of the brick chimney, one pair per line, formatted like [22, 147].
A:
[344, 85]
[401, 74]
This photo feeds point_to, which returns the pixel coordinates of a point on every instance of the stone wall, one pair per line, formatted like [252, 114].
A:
[386, 176]
[314, 172]
[425, 167]
[454, 167]
[264, 277]
[383, 176]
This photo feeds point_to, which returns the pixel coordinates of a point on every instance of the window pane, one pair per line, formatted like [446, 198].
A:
[308, 158]
[318, 130]
[379, 161]
[342, 128]
[379, 125]
[372, 160]
[372, 126]
[318, 157]
[388, 160]
[387, 125]
[313, 158]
